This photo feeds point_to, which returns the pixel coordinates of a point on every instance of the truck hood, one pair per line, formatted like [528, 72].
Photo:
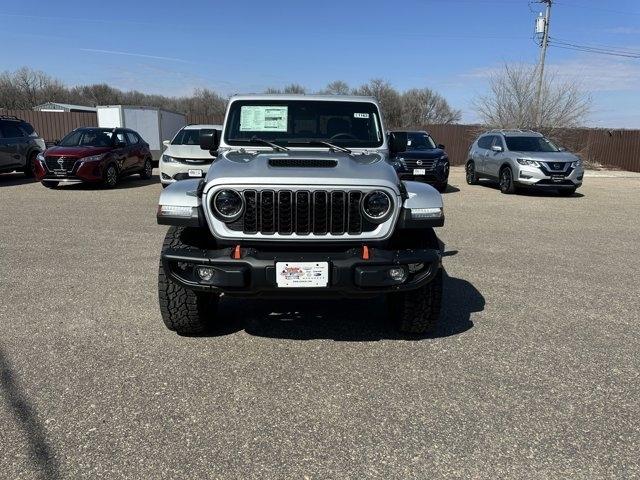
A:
[302, 167]
[76, 152]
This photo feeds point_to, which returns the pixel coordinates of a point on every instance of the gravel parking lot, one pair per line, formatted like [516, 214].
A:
[534, 374]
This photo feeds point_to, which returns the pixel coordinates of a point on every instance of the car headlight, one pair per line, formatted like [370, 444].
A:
[93, 158]
[577, 163]
[40, 157]
[443, 158]
[376, 206]
[524, 161]
[168, 159]
[228, 205]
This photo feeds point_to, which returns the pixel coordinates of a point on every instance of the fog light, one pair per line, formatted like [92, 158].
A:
[398, 274]
[205, 273]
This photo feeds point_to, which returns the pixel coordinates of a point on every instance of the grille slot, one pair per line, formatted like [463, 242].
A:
[67, 163]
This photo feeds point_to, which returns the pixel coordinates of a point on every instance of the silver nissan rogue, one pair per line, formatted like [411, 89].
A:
[523, 158]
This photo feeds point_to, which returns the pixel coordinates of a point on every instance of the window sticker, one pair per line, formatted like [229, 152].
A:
[360, 115]
[409, 143]
[263, 118]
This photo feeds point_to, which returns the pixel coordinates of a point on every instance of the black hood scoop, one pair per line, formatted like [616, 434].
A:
[302, 163]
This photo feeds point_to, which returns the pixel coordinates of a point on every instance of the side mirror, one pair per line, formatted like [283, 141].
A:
[166, 143]
[441, 146]
[56, 141]
[562, 149]
[496, 148]
[397, 143]
[209, 139]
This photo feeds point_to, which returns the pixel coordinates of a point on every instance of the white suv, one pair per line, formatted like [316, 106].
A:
[183, 157]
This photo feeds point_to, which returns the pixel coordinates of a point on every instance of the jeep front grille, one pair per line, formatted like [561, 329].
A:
[302, 212]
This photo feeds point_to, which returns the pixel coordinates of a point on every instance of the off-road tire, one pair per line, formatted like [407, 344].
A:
[506, 181]
[566, 192]
[147, 169]
[50, 184]
[29, 167]
[471, 174]
[184, 311]
[417, 311]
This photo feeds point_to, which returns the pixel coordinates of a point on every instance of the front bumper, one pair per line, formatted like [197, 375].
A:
[81, 172]
[171, 172]
[529, 176]
[438, 175]
[254, 273]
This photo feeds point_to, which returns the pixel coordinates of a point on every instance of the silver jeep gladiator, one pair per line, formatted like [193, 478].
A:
[301, 200]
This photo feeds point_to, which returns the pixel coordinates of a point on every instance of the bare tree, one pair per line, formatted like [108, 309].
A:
[293, 88]
[388, 98]
[421, 106]
[337, 87]
[511, 101]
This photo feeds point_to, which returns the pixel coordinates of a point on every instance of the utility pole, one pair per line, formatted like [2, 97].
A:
[543, 54]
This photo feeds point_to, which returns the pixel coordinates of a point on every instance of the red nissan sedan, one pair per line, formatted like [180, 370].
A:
[96, 155]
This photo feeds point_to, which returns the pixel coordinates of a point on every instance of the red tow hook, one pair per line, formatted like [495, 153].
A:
[236, 253]
[365, 252]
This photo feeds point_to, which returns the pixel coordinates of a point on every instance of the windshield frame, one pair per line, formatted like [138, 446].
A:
[553, 147]
[288, 139]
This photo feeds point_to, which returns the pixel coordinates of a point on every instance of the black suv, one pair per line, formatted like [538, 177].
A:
[418, 158]
[19, 145]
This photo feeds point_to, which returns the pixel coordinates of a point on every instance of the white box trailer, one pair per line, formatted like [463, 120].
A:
[153, 124]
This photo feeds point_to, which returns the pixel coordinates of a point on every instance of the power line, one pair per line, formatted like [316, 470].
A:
[601, 50]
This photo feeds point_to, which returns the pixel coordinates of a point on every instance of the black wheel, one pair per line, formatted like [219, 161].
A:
[417, 311]
[566, 192]
[110, 176]
[184, 311]
[472, 176]
[147, 169]
[50, 184]
[30, 166]
[506, 181]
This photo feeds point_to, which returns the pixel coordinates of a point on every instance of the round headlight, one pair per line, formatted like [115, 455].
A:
[376, 206]
[228, 205]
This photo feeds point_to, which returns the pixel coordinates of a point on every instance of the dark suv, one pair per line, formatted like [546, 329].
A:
[418, 158]
[19, 145]
[95, 155]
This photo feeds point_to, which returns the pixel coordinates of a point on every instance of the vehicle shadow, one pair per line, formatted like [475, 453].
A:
[529, 192]
[41, 452]
[451, 189]
[14, 179]
[133, 181]
[345, 320]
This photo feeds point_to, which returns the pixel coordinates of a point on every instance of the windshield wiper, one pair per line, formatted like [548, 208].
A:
[321, 142]
[275, 146]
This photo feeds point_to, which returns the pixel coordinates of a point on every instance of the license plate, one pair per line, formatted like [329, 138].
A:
[302, 274]
[195, 173]
[557, 178]
[419, 171]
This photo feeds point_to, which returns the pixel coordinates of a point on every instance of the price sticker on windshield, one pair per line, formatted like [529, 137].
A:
[360, 115]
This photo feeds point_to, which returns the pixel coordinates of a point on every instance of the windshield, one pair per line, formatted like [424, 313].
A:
[287, 122]
[530, 144]
[419, 141]
[90, 137]
[187, 136]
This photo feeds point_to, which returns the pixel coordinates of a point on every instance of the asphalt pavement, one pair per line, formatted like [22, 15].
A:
[534, 373]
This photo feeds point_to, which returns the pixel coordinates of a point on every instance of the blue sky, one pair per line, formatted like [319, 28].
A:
[172, 47]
